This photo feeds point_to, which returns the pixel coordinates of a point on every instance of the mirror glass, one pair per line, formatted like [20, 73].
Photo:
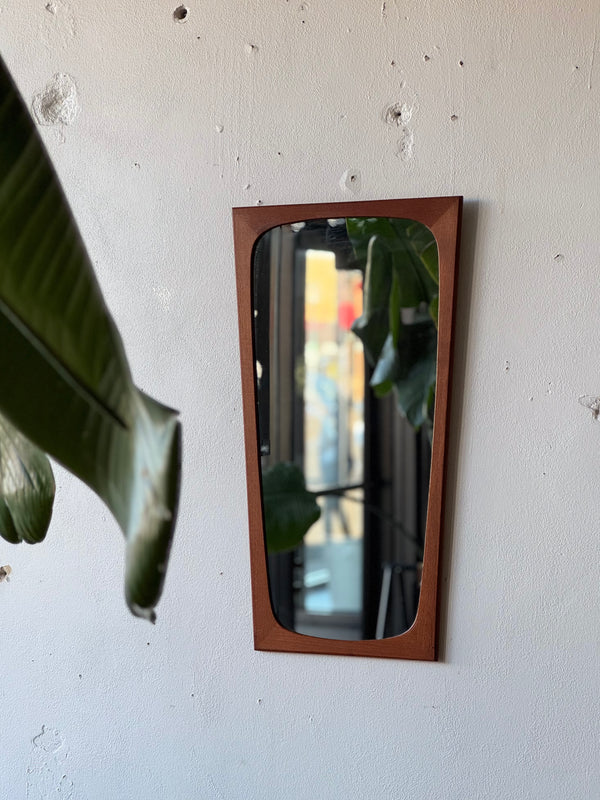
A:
[345, 346]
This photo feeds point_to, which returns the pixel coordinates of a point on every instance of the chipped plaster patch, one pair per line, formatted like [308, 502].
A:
[398, 114]
[58, 103]
[47, 770]
[163, 295]
[64, 19]
[593, 403]
[4, 573]
[406, 144]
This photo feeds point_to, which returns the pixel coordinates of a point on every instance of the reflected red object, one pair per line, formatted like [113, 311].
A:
[346, 316]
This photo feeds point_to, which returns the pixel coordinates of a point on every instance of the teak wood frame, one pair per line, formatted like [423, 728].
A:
[442, 215]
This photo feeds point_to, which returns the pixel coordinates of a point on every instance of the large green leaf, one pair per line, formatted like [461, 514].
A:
[26, 487]
[289, 508]
[66, 384]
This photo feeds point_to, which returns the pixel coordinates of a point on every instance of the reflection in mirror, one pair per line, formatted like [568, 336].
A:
[345, 341]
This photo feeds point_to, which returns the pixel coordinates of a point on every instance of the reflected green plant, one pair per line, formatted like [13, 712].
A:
[398, 326]
[398, 329]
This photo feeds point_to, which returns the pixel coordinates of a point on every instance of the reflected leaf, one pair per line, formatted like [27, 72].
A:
[289, 508]
[400, 261]
[373, 324]
[413, 250]
[415, 389]
[387, 369]
[419, 240]
[434, 308]
[409, 368]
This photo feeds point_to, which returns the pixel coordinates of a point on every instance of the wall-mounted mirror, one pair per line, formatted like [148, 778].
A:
[346, 318]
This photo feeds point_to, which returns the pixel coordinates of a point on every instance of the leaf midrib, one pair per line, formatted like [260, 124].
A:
[82, 389]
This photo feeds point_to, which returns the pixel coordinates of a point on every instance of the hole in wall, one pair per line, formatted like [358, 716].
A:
[180, 14]
[398, 114]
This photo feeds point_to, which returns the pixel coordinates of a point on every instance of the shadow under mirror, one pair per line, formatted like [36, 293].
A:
[345, 315]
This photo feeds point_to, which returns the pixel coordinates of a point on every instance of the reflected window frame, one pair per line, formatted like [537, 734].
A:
[442, 215]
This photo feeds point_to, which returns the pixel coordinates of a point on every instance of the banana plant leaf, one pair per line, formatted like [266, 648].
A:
[289, 508]
[26, 487]
[66, 385]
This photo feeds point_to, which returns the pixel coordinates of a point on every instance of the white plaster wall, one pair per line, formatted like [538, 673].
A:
[177, 124]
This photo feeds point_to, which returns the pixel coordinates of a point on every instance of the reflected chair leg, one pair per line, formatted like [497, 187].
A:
[384, 599]
[403, 598]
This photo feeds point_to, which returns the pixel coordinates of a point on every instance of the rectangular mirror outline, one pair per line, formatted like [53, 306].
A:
[442, 216]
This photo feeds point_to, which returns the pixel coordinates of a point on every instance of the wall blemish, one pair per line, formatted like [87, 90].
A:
[406, 144]
[398, 114]
[46, 773]
[65, 18]
[4, 573]
[163, 295]
[592, 59]
[350, 181]
[181, 14]
[58, 102]
[592, 403]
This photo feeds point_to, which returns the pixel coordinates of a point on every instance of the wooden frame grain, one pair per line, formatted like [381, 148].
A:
[442, 215]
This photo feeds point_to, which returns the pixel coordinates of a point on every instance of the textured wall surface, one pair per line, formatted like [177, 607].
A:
[158, 125]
